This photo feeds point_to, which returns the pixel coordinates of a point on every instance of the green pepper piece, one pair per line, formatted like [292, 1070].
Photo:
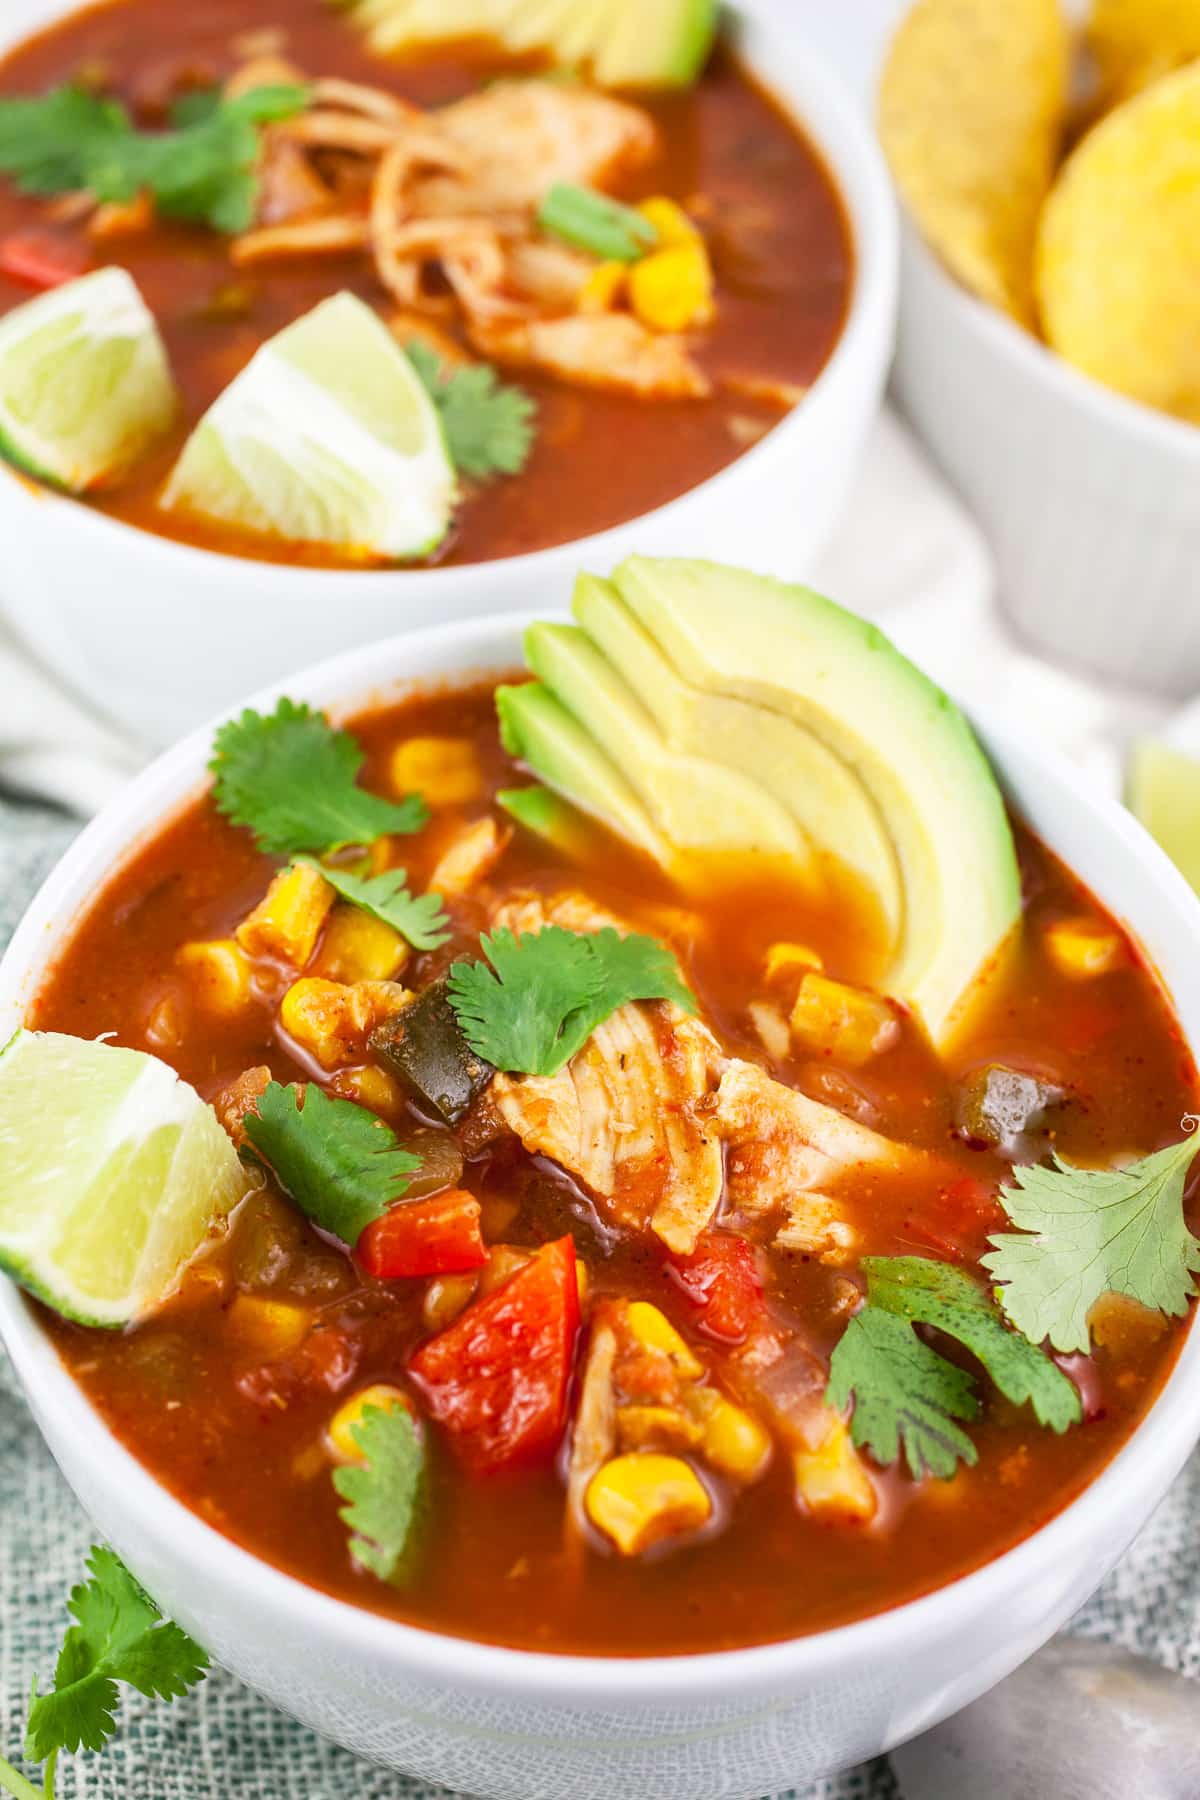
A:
[425, 1048]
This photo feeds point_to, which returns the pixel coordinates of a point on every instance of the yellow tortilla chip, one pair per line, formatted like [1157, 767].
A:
[1118, 254]
[1135, 42]
[971, 113]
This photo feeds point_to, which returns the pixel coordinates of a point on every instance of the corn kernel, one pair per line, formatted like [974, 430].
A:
[1083, 948]
[733, 1442]
[832, 1019]
[669, 220]
[371, 1087]
[445, 1297]
[340, 1432]
[792, 959]
[654, 1331]
[331, 1021]
[219, 975]
[603, 289]
[266, 1327]
[287, 922]
[660, 1427]
[672, 289]
[638, 1499]
[831, 1479]
[358, 947]
[445, 771]
[503, 1262]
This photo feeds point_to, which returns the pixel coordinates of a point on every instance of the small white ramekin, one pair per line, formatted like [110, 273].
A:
[1091, 501]
[159, 635]
[522, 1726]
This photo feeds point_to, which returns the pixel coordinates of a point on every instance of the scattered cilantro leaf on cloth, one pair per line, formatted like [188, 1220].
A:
[119, 1635]
[292, 779]
[1087, 1232]
[939, 1294]
[419, 918]
[204, 170]
[546, 992]
[489, 424]
[905, 1395]
[383, 1490]
[341, 1165]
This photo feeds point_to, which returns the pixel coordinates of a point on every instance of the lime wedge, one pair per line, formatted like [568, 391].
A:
[112, 1172]
[85, 387]
[328, 437]
[1162, 789]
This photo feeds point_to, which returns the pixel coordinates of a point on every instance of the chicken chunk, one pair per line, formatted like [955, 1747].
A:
[521, 137]
[594, 1435]
[622, 1116]
[469, 857]
[786, 1152]
[605, 350]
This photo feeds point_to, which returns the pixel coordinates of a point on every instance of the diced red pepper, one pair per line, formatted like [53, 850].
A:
[43, 259]
[722, 1281]
[497, 1379]
[439, 1236]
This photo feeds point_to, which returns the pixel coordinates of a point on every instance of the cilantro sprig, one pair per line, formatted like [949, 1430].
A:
[292, 779]
[419, 918]
[489, 424]
[341, 1165]
[1087, 1232]
[383, 1490]
[547, 991]
[202, 171]
[909, 1397]
[118, 1636]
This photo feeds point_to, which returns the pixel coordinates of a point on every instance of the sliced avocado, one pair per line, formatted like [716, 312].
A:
[550, 817]
[626, 43]
[694, 802]
[789, 651]
[538, 729]
[824, 796]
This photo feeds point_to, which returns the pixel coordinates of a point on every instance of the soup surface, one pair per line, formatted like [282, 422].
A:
[801, 1531]
[771, 221]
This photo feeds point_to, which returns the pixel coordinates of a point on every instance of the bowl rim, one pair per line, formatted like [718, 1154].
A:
[1010, 342]
[461, 651]
[785, 65]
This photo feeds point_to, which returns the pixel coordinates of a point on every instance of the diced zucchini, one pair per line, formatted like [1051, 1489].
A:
[425, 1048]
[996, 1104]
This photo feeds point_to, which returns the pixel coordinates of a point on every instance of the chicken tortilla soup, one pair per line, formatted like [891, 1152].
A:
[644, 1157]
[336, 294]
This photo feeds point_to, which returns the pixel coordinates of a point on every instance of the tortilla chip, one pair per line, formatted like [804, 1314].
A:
[972, 107]
[1118, 254]
[1135, 42]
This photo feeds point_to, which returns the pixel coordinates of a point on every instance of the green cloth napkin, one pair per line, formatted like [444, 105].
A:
[223, 1740]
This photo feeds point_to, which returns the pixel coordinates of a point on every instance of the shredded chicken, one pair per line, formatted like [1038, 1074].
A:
[594, 1434]
[471, 855]
[622, 1116]
[605, 350]
[235, 1100]
[521, 137]
[785, 1151]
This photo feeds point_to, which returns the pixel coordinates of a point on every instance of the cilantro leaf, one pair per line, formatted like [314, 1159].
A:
[547, 991]
[419, 918]
[1087, 1232]
[341, 1165]
[489, 425]
[119, 1635]
[203, 171]
[292, 780]
[383, 1490]
[905, 1395]
[938, 1294]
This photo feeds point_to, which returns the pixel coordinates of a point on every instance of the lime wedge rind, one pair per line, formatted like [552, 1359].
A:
[113, 1173]
[85, 386]
[1162, 790]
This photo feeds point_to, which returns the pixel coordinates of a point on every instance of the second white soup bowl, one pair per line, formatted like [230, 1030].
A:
[523, 1726]
[159, 635]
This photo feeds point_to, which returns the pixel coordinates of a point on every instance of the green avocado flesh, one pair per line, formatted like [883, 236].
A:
[713, 702]
[625, 43]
